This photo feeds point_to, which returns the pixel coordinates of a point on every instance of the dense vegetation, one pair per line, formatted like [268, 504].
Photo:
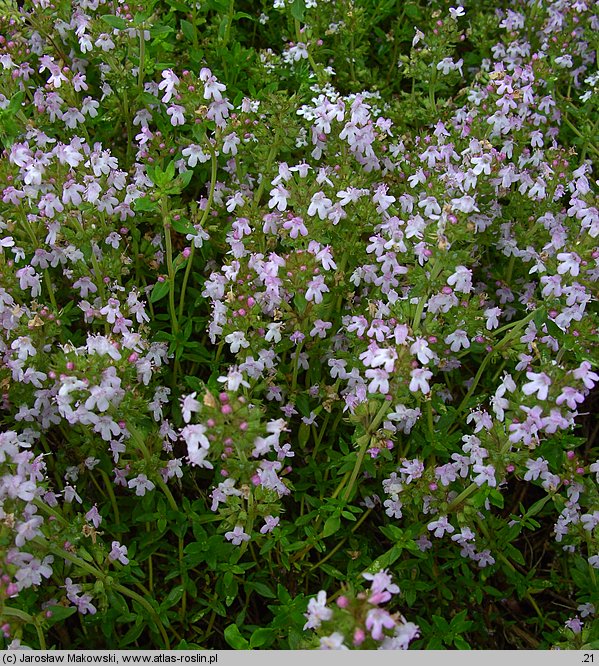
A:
[298, 324]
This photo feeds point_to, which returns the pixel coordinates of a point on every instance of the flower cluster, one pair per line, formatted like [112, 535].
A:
[360, 621]
[252, 341]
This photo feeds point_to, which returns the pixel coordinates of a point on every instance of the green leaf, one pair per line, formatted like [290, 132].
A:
[173, 597]
[331, 525]
[185, 178]
[303, 435]
[496, 498]
[300, 303]
[298, 9]
[303, 404]
[262, 589]
[195, 553]
[159, 291]
[134, 633]
[260, 637]
[218, 5]
[59, 613]
[235, 639]
[158, 30]
[15, 102]
[188, 30]
[441, 624]
[386, 559]
[514, 554]
[114, 21]
[144, 204]
[540, 317]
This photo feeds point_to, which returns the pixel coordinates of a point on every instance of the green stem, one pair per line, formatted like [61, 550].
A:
[47, 280]
[169, 263]
[274, 147]
[98, 276]
[249, 524]
[229, 23]
[418, 314]
[139, 440]
[169, 496]
[431, 89]
[340, 544]
[48, 283]
[142, 60]
[319, 437]
[578, 133]
[380, 415]
[19, 614]
[25, 617]
[365, 441]
[510, 269]
[430, 422]
[296, 367]
[462, 497]
[315, 68]
[111, 495]
[500, 345]
[202, 222]
[183, 609]
[99, 575]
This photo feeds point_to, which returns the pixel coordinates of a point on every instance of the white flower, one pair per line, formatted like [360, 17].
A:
[441, 526]
[320, 205]
[461, 280]
[421, 349]
[317, 611]
[539, 384]
[237, 536]
[333, 642]
[419, 381]
[194, 154]
[189, 404]
[141, 483]
[237, 341]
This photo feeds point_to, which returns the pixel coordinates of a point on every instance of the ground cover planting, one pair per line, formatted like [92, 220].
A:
[298, 324]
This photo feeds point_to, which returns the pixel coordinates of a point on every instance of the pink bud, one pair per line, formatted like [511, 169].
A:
[343, 602]
[359, 637]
